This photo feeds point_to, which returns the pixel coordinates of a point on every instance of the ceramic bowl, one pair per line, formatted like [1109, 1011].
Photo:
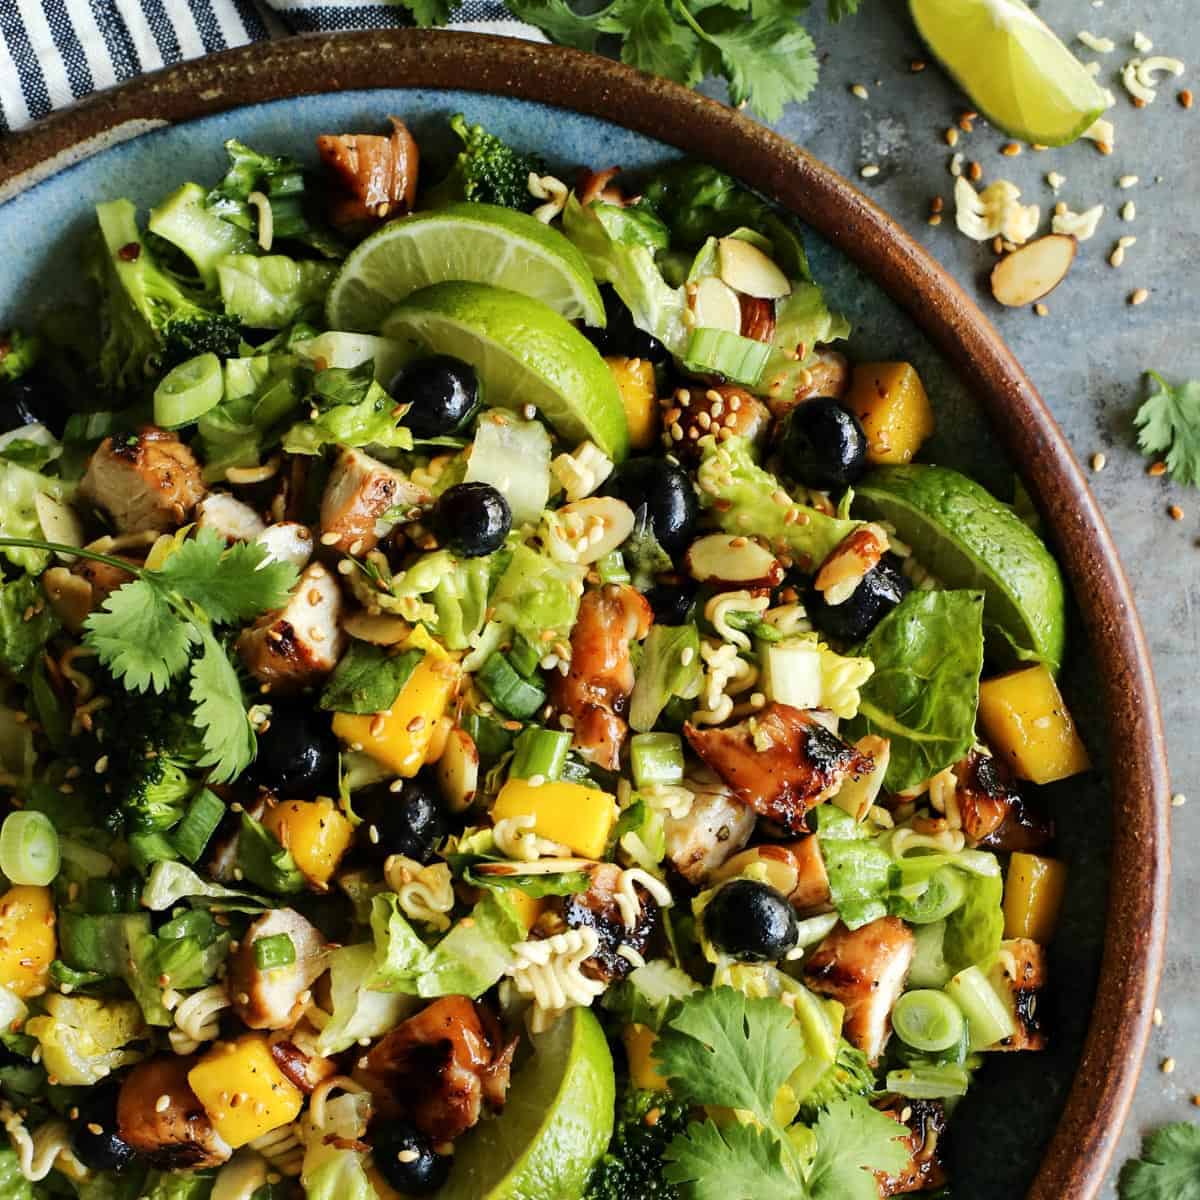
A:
[1039, 1125]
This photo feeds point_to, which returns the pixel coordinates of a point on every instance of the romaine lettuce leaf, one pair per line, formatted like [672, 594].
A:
[18, 514]
[667, 669]
[271, 291]
[537, 594]
[358, 1011]
[353, 409]
[974, 931]
[20, 639]
[802, 322]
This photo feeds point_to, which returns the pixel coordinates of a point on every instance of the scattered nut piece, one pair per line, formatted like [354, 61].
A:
[983, 215]
[1175, 512]
[1139, 296]
[1142, 43]
[1033, 271]
[1128, 210]
[1128, 181]
[1099, 461]
[1055, 180]
[1117, 257]
[1080, 225]
[860, 91]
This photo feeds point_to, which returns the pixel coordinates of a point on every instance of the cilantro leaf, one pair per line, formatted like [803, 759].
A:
[737, 1162]
[727, 1049]
[230, 584]
[853, 1141]
[228, 739]
[768, 62]
[431, 12]
[1169, 423]
[368, 679]
[560, 22]
[1169, 1168]
[654, 41]
[139, 637]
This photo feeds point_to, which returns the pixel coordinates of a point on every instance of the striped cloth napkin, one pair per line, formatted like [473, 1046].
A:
[53, 52]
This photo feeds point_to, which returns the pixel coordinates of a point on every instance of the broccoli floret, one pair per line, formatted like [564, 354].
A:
[631, 1169]
[850, 1075]
[487, 171]
[148, 316]
[18, 352]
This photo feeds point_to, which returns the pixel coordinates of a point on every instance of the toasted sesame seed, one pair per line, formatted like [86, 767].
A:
[1175, 512]
[1041, 310]
[1185, 98]
[1178, 800]
[418, 722]
[860, 91]
[162, 1103]
[331, 538]
[1139, 296]
[917, 66]
[1157, 468]
[407, 1156]
[869, 171]
[95, 1129]
[1099, 461]
[936, 204]
[1168, 1066]
[951, 136]
[1156, 1017]
[1128, 210]
[1128, 181]
[1011, 149]
[101, 764]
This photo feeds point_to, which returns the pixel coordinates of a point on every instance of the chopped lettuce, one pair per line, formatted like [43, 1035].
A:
[802, 322]
[85, 1038]
[171, 882]
[272, 291]
[670, 666]
[860, 874]
[803, 672]
[536, 594]
[467, 961]
[18, 755]
[120, 945]
[13, 1185]
[18, 353]
[974, 931]
[614, 242]
[332, 1168]
[514, 457]
[352, 409]
[19, 488]
[928, 653]
[177, 1185]
[647, 995]
[728, 474]
[264, 862]
[358, 1011]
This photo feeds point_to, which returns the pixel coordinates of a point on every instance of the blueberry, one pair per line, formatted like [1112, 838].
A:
[408, 822]
[666, 491]
[394, 1146]
[881, 589]
[672, 602]
[443, 392]
[103, 1151]
[751, 921]
[31, 398]
[472, 519]
[822, 444]
[297, 753]
[620, 336]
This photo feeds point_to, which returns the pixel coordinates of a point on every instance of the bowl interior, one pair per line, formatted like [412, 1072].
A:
[1005, 1123]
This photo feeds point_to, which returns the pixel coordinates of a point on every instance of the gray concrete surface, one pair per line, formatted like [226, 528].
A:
[1087, 356]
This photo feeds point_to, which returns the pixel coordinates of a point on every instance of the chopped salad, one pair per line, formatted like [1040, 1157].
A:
[492, 706]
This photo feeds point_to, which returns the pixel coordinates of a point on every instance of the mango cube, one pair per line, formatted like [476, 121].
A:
[243, 1090]
[27, 939]
[528, 908]
[1028, 726]
[1033, 896]
[400, 738]
[577, 816]
[639, 1049]
[639, 390]
[889, 400]
[315, 832]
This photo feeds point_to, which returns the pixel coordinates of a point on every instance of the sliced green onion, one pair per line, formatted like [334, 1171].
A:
[719, 352]
[29, 852]
[987, 1015]
[197, 923]
[656, 758]
[504, 687]
[929, 969]
[815, 929]
[612, 568]
[146, 849]
[188, 391]
[942, 894]
[274, 951]
[199, 823]
[929, 1083]
[540, 752]
[524, 656]
[927, 1020]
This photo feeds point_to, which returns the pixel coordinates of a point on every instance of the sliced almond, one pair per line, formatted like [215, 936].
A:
[758, 318]
[716, 306]
[59, 522]
[458, 771]
[747, 269]
[1033, 271]
[728, 560]
[588, 529]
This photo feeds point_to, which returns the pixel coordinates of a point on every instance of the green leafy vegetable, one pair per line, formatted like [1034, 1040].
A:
[264, 862]
[853, 1141]
[1169, 1168]
[352, 410]
[974, 930]
[26, 623]
[368, 679]
[272, 291]
[1168, 424]
[18, 353]
[670, 666]
[736, 1160]
[19, 489]
[928, 653]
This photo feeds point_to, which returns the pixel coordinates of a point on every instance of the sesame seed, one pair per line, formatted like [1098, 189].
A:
[1099, 461]
[95, 1129]
[1185, 98]
[1156, 1017]
[418, 722]
[529, 412]
[331, 538]
[1178, 800]
[377, 725]
[1168, 1066]
[1041, 310]
[859, 91]
[345, 567]
[407, 1156]
[101, 764]
[1156, 469]
[974, 172]
[536, 780]
[869, 171]
[1175, 512]
[1128, 181]
[951, 136]
[1011, 149]
[935, 219]
[162, 1103]
[1128, 210]
[936, 204]
[1139, 296]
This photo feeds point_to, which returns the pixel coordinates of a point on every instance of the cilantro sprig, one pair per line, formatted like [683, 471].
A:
[1169, 1168]
[723, 1048]
[1168, 423]
[164, 622]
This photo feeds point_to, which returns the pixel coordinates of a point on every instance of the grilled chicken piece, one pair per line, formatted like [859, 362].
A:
[828, 375]
[596, 689]
[811, 894]
[597, 909]
[287, 541]
[865, 971]
[275, 998]
[781, 761]
[712, 410]
[174, 1136]
[926, 1121]
[715, 829]
[377, 175]
[359, 491]
[229, 518]
[301, 642]
[994, 814]
[442, 1064]
[1021, 973]
[148, 480]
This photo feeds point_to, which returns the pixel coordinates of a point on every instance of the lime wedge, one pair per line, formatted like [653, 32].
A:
[556, 1122]
[968, 539]
[525, 353]
[480, 242]
[1014, 67]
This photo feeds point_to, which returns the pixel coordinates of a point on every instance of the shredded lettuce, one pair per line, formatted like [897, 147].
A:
[974, 931]
[670, 667]
[84, 1038]
[171, 882]
[353, 409]
[648, 994]
[358, 1011]
[536, 594]
[802, 322]
[272, 291]
[18, 512]
[330, 1170]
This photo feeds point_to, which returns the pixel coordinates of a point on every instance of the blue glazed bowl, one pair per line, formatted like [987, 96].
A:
[1036, 1125]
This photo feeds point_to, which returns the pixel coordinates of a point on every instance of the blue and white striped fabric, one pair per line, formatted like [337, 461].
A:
[53, 52]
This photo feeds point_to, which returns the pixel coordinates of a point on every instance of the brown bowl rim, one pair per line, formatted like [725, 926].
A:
[1077, 1158]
